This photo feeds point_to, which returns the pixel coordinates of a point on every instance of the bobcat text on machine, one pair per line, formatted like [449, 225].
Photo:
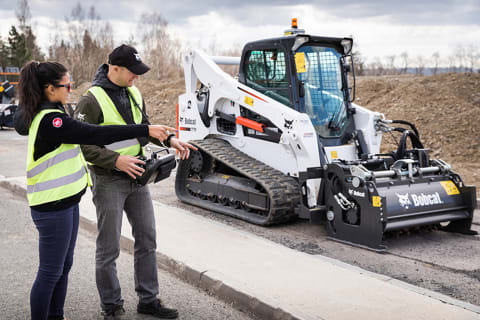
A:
[285, 141]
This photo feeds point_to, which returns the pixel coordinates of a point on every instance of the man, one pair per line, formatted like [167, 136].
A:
[113, 99]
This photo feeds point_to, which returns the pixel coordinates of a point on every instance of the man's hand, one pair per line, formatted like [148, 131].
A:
[182, 147]
[128, 164]
[159, 131]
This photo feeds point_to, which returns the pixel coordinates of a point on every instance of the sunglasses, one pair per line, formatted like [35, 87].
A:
[68, 86]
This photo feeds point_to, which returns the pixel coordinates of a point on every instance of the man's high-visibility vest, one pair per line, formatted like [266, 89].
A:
[111, 116]
[56, 175]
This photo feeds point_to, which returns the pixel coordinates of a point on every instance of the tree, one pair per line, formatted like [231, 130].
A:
[420, 65]
[31, 44]
[404, 56]
[460, 56]
[472, 56]
[358, 60]
[23, 15]
[87, 45]
[436, 59]
[452, 67]
[391, 64]
[25, 30]
[3, 53]
[161, 52]
[18, 54]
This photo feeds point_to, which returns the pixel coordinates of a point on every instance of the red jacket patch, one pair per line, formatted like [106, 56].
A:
[57, 122]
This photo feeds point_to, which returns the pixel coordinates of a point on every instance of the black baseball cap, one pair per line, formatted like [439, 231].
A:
[128, 57]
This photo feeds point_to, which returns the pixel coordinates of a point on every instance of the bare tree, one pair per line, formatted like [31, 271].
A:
[404, 57]
[420, 65]
[472, 56]
[161, 52]
[358, 62]
[452, 66]
[391, 64]
[379, 66]
[87, 45]
[435, 59]
[23, 15]
[460, 56]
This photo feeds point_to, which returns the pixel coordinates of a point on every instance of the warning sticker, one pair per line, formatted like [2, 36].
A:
[334, 155]
[450, 187]
[249, 101]
[376, 201]
[300, 62]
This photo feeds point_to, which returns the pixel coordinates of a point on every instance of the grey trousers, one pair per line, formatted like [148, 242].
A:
[112, 195]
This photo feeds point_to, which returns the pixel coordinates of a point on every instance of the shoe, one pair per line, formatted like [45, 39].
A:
[157, 310]
[115, 313]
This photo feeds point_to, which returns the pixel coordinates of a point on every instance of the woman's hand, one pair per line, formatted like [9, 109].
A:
[182, 147]
[159, 131]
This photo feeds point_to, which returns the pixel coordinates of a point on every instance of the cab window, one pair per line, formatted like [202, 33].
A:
[266, 72]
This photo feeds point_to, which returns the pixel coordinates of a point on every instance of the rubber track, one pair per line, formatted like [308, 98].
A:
[283, 191]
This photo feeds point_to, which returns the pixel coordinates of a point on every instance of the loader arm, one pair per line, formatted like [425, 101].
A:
[227, 95]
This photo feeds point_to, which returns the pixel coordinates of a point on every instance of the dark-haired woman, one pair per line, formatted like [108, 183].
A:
[57, 176]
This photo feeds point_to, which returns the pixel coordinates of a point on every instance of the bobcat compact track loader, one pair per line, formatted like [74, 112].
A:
[285, 140]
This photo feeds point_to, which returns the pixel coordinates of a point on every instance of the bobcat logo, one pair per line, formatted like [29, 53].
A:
[137, 56]
[404, 200]
[288, 124]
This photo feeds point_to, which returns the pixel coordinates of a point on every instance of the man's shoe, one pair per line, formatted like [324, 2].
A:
[115, 313]
[156, 309]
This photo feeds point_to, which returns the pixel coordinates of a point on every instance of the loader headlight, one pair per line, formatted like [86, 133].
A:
[299, 41]
[347, 44]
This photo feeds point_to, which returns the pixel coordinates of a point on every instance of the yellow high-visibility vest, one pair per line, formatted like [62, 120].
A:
[56, 175]
[111, 116]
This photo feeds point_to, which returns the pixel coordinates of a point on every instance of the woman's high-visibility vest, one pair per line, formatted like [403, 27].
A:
[58, 174]
[111, 116]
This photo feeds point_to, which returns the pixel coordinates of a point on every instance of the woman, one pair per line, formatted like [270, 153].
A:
[57, 176]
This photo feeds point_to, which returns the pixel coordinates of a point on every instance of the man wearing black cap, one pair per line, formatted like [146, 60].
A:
[113, 99]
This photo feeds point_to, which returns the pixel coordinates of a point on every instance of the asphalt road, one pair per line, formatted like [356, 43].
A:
[443, 262]
[19, 262]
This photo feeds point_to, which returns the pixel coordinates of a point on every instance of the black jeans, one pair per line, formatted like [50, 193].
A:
[57, 236]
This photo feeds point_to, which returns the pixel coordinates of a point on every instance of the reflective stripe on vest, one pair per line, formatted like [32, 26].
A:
[59, 174]
[62, 156]
[111, 116]
[122, 144]
[55, 183]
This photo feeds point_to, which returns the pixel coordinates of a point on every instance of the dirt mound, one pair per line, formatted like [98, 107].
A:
[161, 98]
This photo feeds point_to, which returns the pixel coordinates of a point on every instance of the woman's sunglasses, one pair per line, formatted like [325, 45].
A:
[68, 86]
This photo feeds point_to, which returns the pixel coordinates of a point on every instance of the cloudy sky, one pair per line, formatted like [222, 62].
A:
[380, 28]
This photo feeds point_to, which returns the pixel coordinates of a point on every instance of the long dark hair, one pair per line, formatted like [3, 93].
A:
[34, 78]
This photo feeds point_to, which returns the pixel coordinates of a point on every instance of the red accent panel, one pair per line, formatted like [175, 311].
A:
[250, 124]
[177, 122]
[253, 95]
